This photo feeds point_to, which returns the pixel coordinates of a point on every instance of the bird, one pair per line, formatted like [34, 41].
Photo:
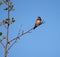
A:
[38, 22]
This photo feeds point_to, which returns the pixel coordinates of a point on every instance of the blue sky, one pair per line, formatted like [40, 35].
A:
[42, 42]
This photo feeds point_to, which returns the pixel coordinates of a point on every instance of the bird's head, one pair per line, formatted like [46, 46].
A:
[39, 18]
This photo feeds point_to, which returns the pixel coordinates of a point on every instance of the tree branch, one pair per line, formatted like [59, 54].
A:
[23, 33]
[18, 37]
[2, 44]
[7, 32]
[12, 45]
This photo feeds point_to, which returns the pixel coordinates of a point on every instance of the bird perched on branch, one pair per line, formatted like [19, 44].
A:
[38, 22]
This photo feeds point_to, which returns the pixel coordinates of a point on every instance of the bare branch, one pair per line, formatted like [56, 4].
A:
[12, 45]
[2, 44]
[0, 40]
[20, 30]
[23, 33]
[18, 37]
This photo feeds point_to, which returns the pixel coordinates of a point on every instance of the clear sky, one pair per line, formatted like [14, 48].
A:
[42, 42]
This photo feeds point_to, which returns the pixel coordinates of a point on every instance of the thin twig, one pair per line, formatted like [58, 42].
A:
[2, 44]
[18, 37]
[11, 45]
[0, 40]
[20, 30]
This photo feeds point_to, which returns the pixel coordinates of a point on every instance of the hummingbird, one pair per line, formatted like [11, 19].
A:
[38, 22]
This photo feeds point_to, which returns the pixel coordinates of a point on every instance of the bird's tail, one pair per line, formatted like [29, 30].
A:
[34, 27]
